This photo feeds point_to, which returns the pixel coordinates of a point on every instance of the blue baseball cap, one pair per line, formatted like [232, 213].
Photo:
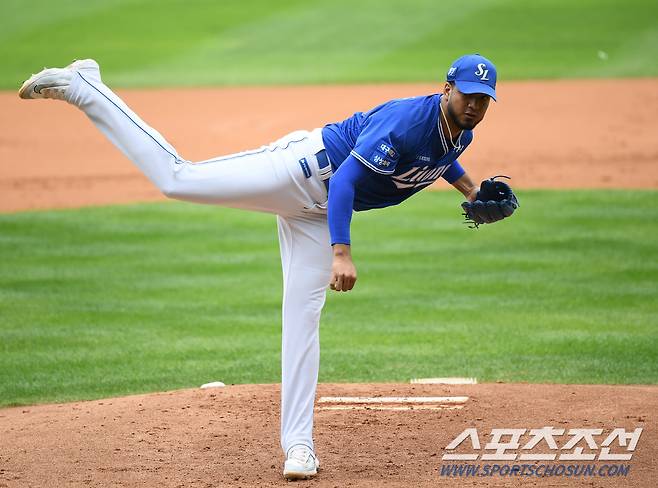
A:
[473, 73]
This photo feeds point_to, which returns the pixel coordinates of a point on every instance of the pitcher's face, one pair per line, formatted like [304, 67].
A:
[466, 110]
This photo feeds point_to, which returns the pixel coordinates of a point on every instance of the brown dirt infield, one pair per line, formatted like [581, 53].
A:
[229, 436]
[566, 134]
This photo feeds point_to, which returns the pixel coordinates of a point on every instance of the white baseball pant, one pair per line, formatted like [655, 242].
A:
[269, 179]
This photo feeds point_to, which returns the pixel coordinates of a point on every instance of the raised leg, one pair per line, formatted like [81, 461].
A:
[266, 179]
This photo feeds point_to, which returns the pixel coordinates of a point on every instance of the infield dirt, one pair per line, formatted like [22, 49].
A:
[229, 436]
[563, 134]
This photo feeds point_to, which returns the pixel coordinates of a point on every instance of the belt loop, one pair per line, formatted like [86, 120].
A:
[324, 165]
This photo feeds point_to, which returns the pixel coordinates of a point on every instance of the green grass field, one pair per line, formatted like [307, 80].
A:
[108, 301]
[166, 42]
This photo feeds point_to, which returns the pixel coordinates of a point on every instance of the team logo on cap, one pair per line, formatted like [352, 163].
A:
[482, 72]
[452, 71]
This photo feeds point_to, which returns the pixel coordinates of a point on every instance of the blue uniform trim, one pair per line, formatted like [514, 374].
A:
[369, 165]
[251, 153]
[176, 158]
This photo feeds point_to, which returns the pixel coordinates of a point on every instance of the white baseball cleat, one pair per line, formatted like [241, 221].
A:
[53, 82]
[301, 463]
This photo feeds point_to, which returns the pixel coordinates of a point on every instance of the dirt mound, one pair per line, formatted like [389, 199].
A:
[229, 436]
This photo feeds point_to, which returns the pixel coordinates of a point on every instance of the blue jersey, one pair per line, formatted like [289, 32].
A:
[403, 145]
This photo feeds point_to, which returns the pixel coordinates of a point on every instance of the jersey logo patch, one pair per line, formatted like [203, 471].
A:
[388, 150]
[379, 161]
[419, 176]
[305, 167]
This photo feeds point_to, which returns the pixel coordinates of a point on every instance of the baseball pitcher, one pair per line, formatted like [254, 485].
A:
[313, 181]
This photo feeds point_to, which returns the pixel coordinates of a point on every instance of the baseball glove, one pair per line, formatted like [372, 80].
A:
[494, 201]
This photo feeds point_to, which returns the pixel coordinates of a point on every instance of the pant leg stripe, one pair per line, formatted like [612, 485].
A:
[176, 158]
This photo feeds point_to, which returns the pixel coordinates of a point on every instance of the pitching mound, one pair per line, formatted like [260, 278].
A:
[229, 436]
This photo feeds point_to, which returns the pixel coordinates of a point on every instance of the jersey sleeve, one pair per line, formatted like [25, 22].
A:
[454, 172]
[341, 198]
[381, 140]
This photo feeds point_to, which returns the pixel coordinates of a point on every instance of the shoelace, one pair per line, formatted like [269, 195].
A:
[301, 454]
